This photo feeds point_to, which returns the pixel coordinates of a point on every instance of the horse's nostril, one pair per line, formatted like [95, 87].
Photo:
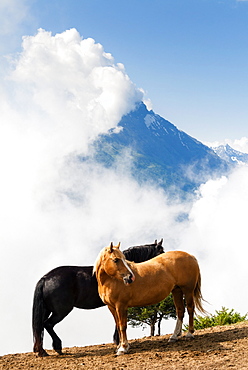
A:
[128, 279]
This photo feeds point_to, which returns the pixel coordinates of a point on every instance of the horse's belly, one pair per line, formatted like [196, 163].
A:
[150, 297]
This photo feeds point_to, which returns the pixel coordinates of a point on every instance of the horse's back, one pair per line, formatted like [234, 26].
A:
[68, 286]
[171, 258]
[65, 277]
[179, 266]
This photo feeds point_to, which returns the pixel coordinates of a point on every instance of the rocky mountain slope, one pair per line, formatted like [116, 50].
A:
[157, 151]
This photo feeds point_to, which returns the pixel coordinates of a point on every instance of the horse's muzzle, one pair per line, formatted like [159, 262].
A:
[128, 279]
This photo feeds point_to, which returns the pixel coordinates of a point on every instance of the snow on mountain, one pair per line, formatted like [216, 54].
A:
[230, 155]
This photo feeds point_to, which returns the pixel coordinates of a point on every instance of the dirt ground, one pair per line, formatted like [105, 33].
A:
[222, 347]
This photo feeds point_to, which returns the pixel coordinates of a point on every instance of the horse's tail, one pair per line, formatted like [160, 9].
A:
[38, 317]
[198, 299]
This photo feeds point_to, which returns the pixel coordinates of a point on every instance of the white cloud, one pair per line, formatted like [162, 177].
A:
[217, 234]
[240, 144]
[71, 87]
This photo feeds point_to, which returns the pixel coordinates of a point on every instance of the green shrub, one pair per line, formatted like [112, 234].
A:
[222, 317]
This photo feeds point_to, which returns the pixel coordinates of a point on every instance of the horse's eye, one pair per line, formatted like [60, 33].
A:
[116, 260]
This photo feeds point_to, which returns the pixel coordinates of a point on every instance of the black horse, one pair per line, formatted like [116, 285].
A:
[65, 287]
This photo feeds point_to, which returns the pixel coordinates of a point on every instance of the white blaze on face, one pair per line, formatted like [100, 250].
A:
[128, 268]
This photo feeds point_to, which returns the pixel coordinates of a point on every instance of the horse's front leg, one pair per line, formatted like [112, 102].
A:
[122, 328]
[117, 330]
[120, 316]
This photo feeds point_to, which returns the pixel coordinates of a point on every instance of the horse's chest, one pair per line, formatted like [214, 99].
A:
[103, 298]
[108, 296]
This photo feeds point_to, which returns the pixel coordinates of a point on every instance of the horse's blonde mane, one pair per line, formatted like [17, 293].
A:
[98, 260]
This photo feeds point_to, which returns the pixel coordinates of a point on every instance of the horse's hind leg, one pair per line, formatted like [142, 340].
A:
[116, 337]
[49, 324]
[180, 309]
[190, 308]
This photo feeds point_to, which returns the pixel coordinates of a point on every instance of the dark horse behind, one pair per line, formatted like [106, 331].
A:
[65, 287]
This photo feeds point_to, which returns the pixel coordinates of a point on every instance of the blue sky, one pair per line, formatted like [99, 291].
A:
[190, 57]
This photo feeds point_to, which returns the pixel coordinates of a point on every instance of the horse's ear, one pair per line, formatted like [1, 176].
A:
[111, 247]
[161, 241]
[119, 244]
[156, 242]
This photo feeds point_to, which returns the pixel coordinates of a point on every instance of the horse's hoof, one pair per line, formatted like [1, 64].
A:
[59, 351]
[43, 354]
[120, 353]
[189, 336]
[172, 340]
[122, 350]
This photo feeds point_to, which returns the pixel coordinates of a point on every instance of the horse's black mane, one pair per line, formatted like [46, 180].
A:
[142, 253]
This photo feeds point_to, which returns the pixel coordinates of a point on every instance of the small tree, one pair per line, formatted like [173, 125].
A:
[150, 315]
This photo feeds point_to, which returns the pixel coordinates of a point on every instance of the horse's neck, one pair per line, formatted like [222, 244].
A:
[101, 276]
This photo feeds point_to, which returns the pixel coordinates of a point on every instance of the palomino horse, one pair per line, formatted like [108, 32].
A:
[123, 284]
[65, 287]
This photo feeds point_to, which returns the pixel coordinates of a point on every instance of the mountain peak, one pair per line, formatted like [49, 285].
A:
[159, 151]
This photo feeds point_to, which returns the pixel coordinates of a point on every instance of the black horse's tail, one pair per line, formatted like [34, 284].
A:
[38, 317]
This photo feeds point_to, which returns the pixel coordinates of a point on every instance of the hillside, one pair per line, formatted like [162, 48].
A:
[222, 347]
